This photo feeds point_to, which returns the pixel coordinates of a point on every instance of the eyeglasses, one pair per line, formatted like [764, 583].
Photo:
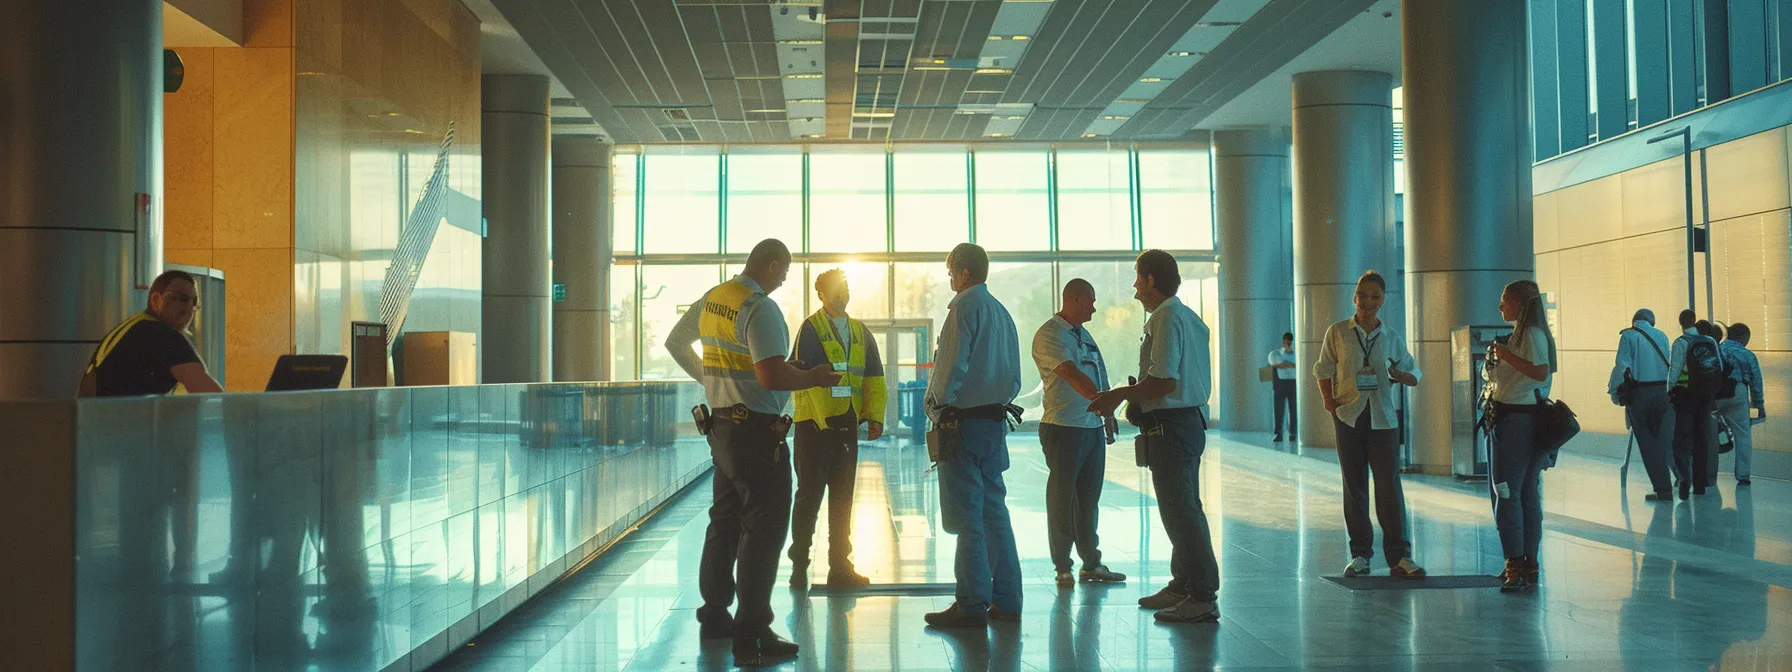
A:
[180, 297]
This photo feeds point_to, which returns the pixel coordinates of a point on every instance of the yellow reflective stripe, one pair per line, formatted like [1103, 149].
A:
[111, 340]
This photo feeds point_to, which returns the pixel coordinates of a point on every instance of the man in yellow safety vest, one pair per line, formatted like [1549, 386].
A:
[827, 429]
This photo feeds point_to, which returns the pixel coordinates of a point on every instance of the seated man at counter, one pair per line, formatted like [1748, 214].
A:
[149, 353]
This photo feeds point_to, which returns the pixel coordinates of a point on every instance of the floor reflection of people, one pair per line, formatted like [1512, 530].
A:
[1076, 640]
[996, 649]
[1697, 613]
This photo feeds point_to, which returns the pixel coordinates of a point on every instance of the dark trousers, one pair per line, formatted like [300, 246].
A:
[1652, 419]
[1363, 449]
[1175, 461]
[827, 463]
[1515, 475]
[1285, 406]
[1695, 453]
[1077, 458]
[747, 523]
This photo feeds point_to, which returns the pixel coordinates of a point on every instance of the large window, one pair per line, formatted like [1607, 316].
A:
[666, 292]
[682, 207]
[1029, 293]
[848, 211]
[1094, 200]
[1175, 200]
[1013, 200]
[765, 198]
[931, 200]
[624, 174]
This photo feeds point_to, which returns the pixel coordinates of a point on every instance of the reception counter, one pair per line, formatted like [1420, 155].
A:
[371, 529]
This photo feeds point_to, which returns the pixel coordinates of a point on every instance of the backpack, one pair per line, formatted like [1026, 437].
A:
[1705, 374]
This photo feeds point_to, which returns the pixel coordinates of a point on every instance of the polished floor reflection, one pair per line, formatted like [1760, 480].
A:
[1627, 584]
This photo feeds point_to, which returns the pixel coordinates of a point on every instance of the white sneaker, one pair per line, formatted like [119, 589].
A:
[1359, 566]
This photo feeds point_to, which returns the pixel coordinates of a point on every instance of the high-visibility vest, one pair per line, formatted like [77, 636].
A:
[868, 393]
[112, 338]
[723, 334]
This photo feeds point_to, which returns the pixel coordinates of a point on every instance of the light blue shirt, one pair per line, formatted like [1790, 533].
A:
[977, 361]
[1175, 348]
[1057, 342]
[1646, 363]
[1748, 367]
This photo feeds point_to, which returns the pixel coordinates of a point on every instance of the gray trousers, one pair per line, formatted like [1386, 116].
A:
[1735, 410]
[1362, 450]
[1652, 418]
[1077, 459]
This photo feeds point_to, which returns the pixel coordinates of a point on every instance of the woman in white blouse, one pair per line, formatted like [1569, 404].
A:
[1360, 362]
[1518, 376]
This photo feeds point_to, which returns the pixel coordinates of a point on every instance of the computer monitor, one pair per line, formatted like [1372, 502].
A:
[307, 372]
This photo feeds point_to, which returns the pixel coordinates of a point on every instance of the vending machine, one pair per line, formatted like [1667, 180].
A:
[1468, 361]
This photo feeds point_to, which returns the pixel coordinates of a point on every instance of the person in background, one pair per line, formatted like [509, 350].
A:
[1641, 372]
[1519, 374]
[1175, 374]
[149, 352]
[827, 429]
[1689, 364]
[1283, 360]
[1735, 410]
[1075, 441]
[976, 377]
[747, 379]
[1360, 362]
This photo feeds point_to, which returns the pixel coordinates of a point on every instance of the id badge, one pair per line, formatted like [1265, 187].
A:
[840, 367]
[1367, 381]
[841, 391]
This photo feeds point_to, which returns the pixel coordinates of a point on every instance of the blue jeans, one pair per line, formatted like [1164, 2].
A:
[1176, 478]
[974, 506]
[1515, 476]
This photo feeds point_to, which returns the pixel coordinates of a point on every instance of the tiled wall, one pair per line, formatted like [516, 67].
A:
[1610, 246]
[294, 160]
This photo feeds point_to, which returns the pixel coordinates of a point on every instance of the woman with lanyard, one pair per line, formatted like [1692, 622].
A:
[1360, 362]
[1518, 376]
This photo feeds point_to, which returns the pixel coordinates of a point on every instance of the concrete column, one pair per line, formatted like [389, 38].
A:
[1343, 162]
[582, 255]
[80, 181]
[1256, 271]
[1468, 196]
[517, 318]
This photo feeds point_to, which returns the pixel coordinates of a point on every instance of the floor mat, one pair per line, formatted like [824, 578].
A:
[1429, 582]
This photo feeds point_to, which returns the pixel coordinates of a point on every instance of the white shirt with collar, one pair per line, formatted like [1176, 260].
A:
[1342, 357]
[1643, 351]
[1278, 357]
[1057, 342]
[1175, 348]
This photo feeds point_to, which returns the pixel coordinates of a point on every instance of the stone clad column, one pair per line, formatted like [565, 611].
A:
[1256, 291]
[80, 181]
[1343, 163]
[582, 255]
[1468, 167]
[516, 313]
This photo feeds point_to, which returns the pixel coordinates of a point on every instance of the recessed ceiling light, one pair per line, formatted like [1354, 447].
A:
[768, 110]
[807, 101]
[1089, 135]
[1132, 101]
[995, 135]
[1115, 117]
[994, 38]
[1216, 24]
[799, 42]
[1020, 38]
[994, 71]
[811, 75]
[1150, 80]
[874, 115]
[1182, 53]
[815, 135]
[1013, 118]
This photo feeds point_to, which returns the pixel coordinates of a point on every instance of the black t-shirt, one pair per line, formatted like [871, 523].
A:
[137, 358]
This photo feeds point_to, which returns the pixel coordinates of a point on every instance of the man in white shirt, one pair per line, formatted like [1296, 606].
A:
[1176, 376]
[1282, 359]
[1639, 383]
[1075, 441]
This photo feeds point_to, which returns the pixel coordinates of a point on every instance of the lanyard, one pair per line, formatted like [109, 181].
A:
[1365, 346]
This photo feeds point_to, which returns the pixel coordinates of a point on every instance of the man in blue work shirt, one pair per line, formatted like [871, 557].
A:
[1175, 378]
[976, 376]
[1639, 383]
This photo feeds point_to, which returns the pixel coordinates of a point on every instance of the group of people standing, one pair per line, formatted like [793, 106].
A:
[1680, 398]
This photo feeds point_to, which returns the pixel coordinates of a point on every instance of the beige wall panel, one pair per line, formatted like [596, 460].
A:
[1549, 272]
[1739, 277]
[187, 155]
[1775, 331]
[259, 285]
[1660, 284]
[1654, 197]
[1747, 176]
[1580, 382]
[1592, 278]
[1544, 221]
[1776, 376]
[1590, 212]
[252, 195]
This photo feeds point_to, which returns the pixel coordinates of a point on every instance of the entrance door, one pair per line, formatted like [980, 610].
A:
[907, 350]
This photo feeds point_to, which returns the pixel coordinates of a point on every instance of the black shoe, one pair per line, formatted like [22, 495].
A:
[954, 617]
[1004, 615]
[1742, 482]
[1685, 490]
[847, 579]
[1278, 439]
[717, 629]
[1659, 497]
[799, 576]
[766, 649]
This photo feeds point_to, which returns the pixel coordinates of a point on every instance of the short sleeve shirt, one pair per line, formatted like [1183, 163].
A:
[138, 358]
[1512, 387]
[1175, 348]
[767, 337]
[1058, 342]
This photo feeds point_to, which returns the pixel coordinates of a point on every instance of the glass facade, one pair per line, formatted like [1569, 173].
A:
[887, 216]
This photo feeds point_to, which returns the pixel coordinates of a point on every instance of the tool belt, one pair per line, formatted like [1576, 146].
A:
[740, 415]
[1153, 429]
[945, 438]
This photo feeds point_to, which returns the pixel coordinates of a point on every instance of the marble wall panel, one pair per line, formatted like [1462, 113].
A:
[252, 193]
[259, 318]
[187, 155]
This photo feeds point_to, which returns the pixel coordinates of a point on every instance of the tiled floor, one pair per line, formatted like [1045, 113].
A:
[1627, 584]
